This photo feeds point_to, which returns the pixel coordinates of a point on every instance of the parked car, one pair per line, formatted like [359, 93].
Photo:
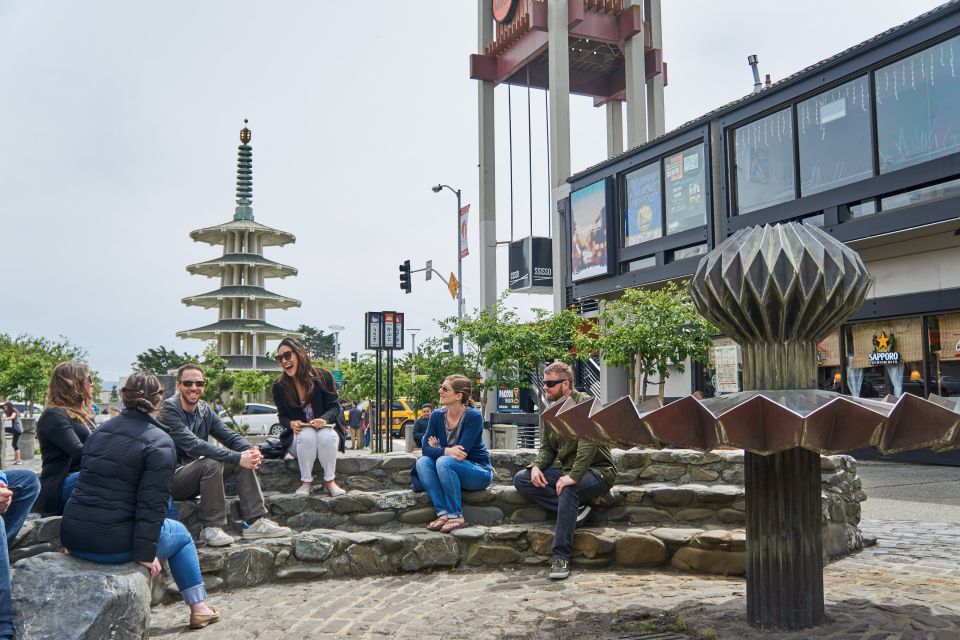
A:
[404, 413]
[258, 419]
[21, 408]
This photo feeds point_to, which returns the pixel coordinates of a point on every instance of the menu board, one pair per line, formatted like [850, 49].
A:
[685, 189]
[642, 217]
[588, 255]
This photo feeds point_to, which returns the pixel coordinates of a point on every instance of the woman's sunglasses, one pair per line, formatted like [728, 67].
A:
[283, 357]
[444, 388]
[189, 383]
[552, 383]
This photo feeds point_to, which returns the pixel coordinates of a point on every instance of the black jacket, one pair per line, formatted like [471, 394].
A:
[61, 446]
[192, 444]
[121, 498]
[325, 404]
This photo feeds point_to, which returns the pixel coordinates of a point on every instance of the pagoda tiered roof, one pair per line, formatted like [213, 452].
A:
[269, 268]
[268, 235]
[270, 299]
[233, 325]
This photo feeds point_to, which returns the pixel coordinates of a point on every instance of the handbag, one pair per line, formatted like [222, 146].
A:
[272, 449]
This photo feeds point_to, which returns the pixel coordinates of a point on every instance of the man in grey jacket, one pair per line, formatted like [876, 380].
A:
[202, 465]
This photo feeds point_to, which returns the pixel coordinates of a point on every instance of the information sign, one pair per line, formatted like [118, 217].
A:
[373, 323]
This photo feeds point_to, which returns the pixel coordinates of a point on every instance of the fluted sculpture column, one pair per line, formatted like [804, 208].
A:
[778, 290]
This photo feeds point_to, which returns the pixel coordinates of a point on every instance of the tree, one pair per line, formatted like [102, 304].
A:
[509, 350]
[319, 346]
[161, 361]
[26, 364]
[649, 331]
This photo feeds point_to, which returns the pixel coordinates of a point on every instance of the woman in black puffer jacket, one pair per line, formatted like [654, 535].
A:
[116, 513]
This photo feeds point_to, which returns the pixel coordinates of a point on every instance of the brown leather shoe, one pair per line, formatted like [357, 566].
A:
[201, 620]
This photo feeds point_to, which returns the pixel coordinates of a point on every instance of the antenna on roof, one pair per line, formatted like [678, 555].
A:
[752, 61]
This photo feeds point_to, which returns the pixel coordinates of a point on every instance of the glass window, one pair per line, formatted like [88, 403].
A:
[687, 252]
[641, 263]
[924, 194]
[642, 217]
[944, 344]
[685, 186]
[833, 131]
[862, 208]
[918, 106]
[763, 162]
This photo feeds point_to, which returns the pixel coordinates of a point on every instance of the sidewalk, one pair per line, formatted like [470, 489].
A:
[908, 586]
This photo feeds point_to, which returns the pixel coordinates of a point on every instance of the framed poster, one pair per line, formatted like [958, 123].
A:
[642, 216]
[589, 255]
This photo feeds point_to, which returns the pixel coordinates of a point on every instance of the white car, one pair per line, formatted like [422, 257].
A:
[259, 419]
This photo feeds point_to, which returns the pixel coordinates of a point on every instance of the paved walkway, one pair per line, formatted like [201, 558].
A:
[906, 587]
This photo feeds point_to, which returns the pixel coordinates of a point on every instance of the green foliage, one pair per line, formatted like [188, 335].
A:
[319, 346]
[510, 350]
[252, 382]
[26, 364]
[433, 364]
[650, 330]
[161, 360]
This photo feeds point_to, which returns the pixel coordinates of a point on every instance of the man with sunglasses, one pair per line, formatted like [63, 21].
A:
[585, 471]
[202, 465]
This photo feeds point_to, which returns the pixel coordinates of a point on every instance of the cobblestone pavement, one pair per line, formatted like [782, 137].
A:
[906, 587]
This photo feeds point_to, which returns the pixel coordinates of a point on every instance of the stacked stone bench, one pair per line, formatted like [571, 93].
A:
[671, 508]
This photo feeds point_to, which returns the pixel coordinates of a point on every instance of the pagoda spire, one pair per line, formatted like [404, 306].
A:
[244, 210]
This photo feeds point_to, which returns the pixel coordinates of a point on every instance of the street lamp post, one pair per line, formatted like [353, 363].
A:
[336, 328]
[413, 350]
[437, 189]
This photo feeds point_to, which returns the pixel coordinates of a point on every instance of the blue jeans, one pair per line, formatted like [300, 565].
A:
[566, 504]
[26, 487]
[175, 545]
[69, 484]
[444, 477]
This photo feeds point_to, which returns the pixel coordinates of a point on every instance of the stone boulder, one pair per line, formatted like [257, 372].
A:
[47, 588]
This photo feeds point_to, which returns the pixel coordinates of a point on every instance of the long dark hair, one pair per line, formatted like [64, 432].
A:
[307, 374]
[8, 409]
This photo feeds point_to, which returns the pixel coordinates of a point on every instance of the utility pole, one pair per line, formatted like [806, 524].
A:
[413, 350]
[437, 189]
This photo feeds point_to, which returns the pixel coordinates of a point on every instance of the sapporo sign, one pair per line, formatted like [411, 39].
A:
[503, 10]
[884, 350]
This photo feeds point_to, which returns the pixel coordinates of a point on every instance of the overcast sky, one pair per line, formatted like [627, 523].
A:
[120, 122]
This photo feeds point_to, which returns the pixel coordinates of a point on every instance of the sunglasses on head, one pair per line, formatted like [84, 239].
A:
[552, 383]
[283, 357]
[189, 383]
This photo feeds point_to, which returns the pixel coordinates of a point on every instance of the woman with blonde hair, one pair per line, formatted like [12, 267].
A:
[116, 514]
[63, 427]
[454, 456]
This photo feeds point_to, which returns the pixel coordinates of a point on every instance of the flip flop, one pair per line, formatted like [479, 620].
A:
[453, 526]
[437, 524]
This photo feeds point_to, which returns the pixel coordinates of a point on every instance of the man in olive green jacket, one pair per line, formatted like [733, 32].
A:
[585, 471]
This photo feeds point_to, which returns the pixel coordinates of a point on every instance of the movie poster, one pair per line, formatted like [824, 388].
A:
[588, 255]
[642, 216]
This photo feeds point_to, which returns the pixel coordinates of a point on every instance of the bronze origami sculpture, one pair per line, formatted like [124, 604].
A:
[777, 291]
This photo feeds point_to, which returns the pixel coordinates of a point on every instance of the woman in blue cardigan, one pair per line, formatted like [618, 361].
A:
[454, 456]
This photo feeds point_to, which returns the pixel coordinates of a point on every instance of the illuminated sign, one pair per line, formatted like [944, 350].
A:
[884, 350]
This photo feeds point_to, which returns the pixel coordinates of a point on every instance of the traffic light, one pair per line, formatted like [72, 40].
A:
[405, 276]
[354, 356]
[448, 344]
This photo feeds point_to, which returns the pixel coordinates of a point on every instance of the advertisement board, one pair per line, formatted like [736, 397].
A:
[589, 252]
[519, 260]
[643, 214]
[685, 189]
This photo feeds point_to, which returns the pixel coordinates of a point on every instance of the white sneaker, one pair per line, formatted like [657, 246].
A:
[264, 528]
[301, 491]
[335, 491]
[215, 537]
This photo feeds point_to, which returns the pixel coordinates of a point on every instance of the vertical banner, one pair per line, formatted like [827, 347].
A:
[464, 216]
[374, 339]
[388, 329]
[398, 331]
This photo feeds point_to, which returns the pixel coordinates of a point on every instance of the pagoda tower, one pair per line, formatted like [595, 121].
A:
[241, 330]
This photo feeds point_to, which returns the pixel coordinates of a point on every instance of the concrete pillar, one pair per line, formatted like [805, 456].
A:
[655, 121]
[635, 71]
[614, 128]
[487, 167]
[558, 20]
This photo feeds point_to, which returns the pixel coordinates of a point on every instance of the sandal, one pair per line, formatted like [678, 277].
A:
[437, 524]
[453, 524]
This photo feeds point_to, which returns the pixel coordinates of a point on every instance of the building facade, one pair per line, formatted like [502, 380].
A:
[865, 145]
[241, 330]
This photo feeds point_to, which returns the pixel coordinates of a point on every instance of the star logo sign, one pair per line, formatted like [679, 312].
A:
[883, 343]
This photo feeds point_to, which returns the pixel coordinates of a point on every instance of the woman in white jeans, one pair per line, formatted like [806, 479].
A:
[308, 406]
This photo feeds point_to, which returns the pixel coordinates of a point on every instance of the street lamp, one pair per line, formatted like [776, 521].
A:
[336, 328]
[413, 350]
[437, 189]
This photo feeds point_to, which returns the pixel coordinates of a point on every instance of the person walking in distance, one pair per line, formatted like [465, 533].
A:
[356, 426]
[585, 471]
[202, 466]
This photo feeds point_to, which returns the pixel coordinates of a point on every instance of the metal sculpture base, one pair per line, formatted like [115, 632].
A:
[784, 544]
